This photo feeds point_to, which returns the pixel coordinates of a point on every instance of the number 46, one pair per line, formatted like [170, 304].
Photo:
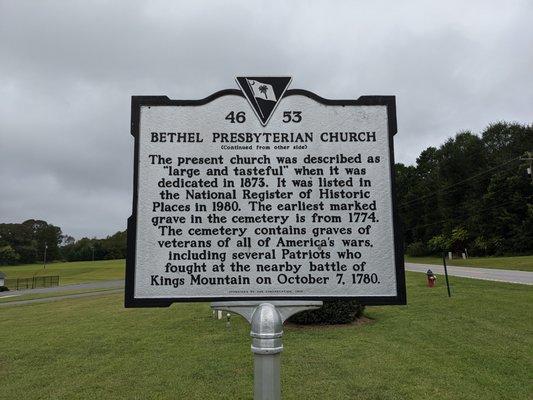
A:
[239, 117]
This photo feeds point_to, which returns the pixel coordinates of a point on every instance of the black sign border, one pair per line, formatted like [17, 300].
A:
[138, 101]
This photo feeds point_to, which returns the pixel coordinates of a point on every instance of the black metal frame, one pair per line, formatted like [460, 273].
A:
[138, 101]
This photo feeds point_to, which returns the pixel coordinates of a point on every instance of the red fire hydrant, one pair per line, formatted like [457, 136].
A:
[431, 278]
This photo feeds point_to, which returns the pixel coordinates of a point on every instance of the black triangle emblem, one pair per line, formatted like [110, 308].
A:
[263, 93]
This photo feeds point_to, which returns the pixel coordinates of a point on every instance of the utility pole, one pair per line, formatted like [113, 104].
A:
[44, 260]
[530, 159]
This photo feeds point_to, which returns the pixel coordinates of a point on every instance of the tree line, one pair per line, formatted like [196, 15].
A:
[27, 242]
[473, 192]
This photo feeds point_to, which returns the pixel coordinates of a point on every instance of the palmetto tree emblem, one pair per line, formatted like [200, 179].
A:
[263, 89]
[263, 93]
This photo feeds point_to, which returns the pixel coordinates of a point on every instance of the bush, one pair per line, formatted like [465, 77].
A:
[417, 249]
[486, 246]
[332, 312]
[4, 289]
[439, 243]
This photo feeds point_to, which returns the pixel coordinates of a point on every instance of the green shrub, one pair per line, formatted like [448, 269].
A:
[417, 249]
[483, 246]
[332, 312]
[439, 243]
[4, 289]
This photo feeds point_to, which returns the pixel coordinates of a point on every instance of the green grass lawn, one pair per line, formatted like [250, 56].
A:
[476, 345]
[523, 263]
[71, 272]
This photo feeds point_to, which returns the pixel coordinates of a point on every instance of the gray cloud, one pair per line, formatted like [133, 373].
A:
[69, 68]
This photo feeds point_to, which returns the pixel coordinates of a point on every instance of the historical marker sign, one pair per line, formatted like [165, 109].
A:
[263, 192]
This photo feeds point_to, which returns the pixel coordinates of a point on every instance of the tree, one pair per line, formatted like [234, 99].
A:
[29, 239]
[8, 255]
[67, 240]
[473, 182]
[112, 247]
[45, 235]
[504, 141]
[458, 240]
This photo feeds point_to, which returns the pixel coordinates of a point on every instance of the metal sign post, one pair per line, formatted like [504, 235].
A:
[446, 274]
[266, 320]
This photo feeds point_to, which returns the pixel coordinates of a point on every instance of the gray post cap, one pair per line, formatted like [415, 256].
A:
[267, 330]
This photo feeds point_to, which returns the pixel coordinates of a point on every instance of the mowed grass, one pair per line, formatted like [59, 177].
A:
[70, 272]
[521, 263]
[476, 345]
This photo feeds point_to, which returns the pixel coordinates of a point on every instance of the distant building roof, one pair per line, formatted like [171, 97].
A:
[2, 275]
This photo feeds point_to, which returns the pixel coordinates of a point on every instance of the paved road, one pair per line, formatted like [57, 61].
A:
[488, 274]
[81, 286]
[100, 288]
[55, 298]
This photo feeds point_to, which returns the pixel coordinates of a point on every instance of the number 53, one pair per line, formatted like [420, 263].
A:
[292, 116]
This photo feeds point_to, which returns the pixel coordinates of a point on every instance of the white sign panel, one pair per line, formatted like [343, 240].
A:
[263, 193]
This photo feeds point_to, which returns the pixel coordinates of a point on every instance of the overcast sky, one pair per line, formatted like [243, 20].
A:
[68, 69]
